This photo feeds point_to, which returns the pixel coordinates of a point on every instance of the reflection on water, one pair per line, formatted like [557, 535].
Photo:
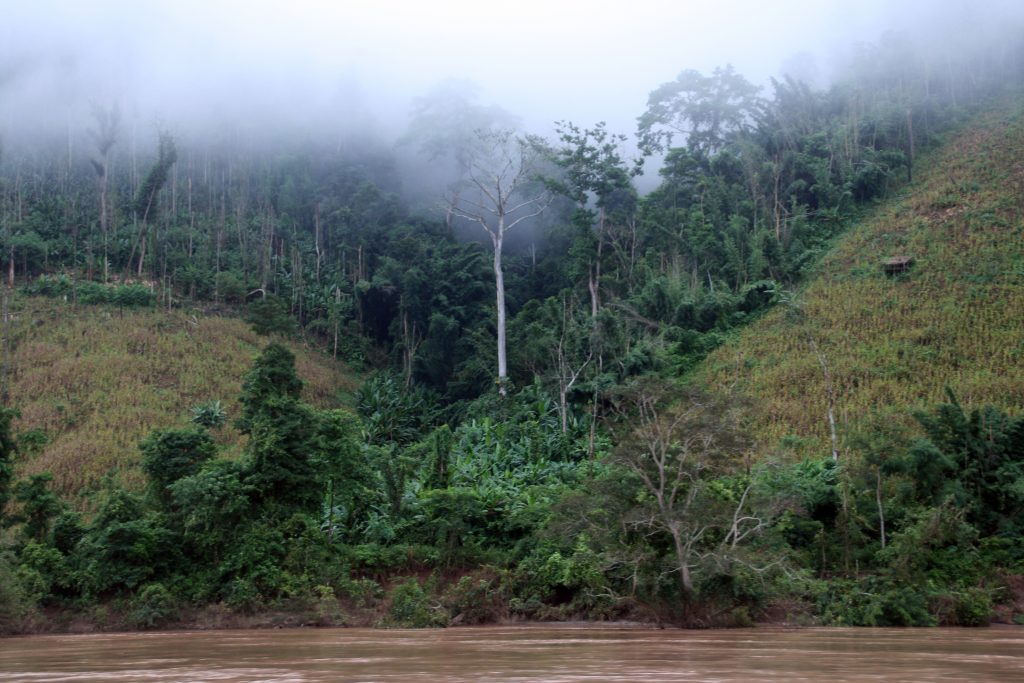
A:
[523, 653]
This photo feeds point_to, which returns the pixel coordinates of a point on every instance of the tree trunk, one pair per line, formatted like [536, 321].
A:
[685, 578]
[499, 284]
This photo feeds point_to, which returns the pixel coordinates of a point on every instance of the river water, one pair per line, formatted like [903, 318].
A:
[523, 653]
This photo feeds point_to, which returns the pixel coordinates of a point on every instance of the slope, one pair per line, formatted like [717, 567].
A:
[95, 380]
[887, 344]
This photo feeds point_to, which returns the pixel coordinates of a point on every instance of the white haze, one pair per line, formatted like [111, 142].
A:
[335, 71]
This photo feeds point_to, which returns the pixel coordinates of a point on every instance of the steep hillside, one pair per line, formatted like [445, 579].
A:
[894, 342]
[96, 380]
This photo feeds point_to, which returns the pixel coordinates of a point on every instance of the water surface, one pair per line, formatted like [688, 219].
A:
[523, 653]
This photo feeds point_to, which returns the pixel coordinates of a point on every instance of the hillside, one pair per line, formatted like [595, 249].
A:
[890, 343]
[96, 380]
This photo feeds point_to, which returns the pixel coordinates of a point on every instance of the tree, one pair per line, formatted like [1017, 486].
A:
[706, 109]
[8, 449]
[272, 376]
[39, 505]
[172, 454]
[502, 175]
[674, 453]
[595, 173]
[145, 201]
[445, 122]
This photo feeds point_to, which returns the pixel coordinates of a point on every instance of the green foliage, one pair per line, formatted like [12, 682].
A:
[8, 449]
[270, 315]
[875, 602]
[975, 458]
[210, 415]
[38, 506]
[151, 607]
[476, 599]
[15, 606]
[124, 547]
[42, 571]
[212, 504]
[172, 454]
[282, 465]
[412, 607]
[437, 471]
[272, 376]
[973, 608]
[91, 293]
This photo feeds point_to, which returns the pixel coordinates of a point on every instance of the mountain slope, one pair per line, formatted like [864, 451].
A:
[95, 381]
[889, 343]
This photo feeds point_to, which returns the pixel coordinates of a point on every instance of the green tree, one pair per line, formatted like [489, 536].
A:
[172, 454]
[675, 453]
[272, 376]
[39, 505]
[8, 449]
[706, 109]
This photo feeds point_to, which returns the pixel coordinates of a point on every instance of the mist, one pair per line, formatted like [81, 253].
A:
[347, 77]
[340, 66]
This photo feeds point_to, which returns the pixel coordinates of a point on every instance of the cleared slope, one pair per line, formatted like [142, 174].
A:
[893, 343]
[96, 381]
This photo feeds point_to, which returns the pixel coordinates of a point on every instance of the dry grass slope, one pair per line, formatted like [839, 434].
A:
[97, 383]
[893, 343]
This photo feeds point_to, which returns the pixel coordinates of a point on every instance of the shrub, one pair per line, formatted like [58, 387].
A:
[364, 592]
[475, 599]
[974, 608]
[242, 595]
[411, 607]
[154, 605]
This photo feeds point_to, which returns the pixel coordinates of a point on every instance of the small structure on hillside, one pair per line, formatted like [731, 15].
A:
[896, 265]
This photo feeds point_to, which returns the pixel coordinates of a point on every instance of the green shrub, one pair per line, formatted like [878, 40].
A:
[874, 601]
[364, 592]
[974, 608]
[242, 595]
[475, 600]
[411, 607]
[15, 605]
[152, 606]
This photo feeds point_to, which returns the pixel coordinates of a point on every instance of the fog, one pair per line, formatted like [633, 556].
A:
[344, 64]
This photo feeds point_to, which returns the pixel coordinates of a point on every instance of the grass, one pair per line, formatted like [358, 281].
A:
[96, 381]
[892, 344]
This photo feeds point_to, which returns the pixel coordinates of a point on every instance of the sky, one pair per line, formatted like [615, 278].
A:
[360, 63]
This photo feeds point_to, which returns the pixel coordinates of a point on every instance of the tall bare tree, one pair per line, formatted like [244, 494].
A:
[501, 191]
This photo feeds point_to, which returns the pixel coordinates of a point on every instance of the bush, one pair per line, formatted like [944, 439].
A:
[270, 315]
[242, 595]
[154, 605]
[15, 605]
[411, 608]
[475, 599]
[874, 602]
[230, 287]
[87, 292]
[974, 608]
[364, 592]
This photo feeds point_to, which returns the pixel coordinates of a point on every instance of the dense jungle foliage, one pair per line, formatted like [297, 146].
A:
[575, 468]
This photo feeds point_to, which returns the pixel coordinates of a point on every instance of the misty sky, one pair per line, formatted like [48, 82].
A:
[360, 63]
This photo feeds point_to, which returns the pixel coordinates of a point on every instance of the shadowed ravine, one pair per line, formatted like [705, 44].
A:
[523, 654]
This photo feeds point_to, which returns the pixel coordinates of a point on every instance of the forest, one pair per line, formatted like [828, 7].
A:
[532, 437]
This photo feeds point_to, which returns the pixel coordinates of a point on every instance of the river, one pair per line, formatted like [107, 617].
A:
[523, 653]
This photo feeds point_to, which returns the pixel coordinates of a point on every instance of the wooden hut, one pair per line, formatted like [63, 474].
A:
[895, 265]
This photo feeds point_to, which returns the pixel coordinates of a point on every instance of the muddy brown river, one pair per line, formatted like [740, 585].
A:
[523, 653]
